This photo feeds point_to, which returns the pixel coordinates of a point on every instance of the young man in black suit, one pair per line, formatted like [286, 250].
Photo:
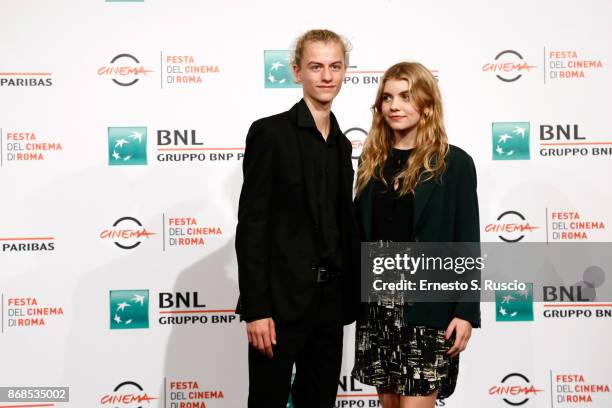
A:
[296, 241]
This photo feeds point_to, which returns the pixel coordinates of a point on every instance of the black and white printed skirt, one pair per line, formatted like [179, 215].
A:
[403, 359]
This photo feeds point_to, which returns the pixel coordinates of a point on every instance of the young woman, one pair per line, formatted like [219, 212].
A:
[413, 186]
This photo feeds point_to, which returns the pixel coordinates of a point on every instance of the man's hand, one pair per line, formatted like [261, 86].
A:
[262, 335]
[463, 332]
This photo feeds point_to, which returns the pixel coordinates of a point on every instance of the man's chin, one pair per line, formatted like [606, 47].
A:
[325, 98]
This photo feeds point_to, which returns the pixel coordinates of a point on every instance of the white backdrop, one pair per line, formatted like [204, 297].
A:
[62, 195]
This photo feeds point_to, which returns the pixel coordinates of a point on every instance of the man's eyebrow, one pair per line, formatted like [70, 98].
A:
[320, 63]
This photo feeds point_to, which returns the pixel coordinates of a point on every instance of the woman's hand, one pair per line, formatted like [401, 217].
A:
[463, 332]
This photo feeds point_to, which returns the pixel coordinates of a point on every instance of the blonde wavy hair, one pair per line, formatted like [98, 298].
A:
[431, 145]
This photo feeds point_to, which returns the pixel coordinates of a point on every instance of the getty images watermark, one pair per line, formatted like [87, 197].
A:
[471, 272]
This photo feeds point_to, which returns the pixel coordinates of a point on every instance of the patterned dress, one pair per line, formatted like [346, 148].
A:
[391, 355]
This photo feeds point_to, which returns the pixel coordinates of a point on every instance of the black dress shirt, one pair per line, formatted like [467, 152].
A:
[325, 158]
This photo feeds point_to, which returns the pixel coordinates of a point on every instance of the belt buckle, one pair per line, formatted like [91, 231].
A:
[322, 274]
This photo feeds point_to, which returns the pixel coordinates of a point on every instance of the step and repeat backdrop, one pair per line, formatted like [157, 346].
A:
[122, 131]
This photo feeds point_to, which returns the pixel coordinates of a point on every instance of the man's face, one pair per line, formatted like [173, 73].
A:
[322, 70]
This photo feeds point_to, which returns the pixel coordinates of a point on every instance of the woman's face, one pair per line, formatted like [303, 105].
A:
[397, 109]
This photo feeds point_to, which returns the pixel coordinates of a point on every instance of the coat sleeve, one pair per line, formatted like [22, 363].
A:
[467, 228]
[361, 306]
[358, 210]
[252, 233]
[357, 216]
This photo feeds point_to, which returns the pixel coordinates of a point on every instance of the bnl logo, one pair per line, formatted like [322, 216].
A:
[277, 69]
[510, 140]
[127, 146]
[513, 305]
[129, 309]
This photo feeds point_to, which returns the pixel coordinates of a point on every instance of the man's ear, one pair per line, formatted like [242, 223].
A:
[297, 74]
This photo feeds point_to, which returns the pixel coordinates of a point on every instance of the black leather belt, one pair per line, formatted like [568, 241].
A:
[325, 273]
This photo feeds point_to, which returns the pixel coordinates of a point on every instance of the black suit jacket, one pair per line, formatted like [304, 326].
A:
[444, 211]
[278, 227]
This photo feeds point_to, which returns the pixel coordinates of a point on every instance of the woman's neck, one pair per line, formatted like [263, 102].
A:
[405, 140]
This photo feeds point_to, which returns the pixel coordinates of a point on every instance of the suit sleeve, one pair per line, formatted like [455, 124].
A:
[467, 228]
[252, 233]
[467, 223]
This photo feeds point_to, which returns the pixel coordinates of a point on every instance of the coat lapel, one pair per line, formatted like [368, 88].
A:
[422, 194]
[346, 181]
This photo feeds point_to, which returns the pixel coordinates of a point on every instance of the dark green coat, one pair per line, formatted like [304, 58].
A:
[445, 210]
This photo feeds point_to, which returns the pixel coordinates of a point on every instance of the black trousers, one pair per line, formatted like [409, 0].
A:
[314, 343]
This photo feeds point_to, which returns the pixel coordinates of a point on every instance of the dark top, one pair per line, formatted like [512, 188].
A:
[324, 156]
[392, 215]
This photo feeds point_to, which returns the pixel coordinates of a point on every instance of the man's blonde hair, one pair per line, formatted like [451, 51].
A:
[322, 35]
